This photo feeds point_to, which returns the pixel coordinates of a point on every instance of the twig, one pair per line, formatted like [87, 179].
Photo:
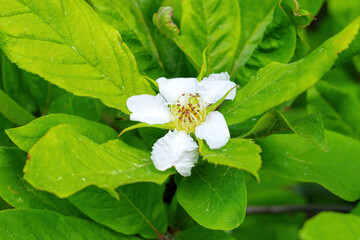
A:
[297, 208]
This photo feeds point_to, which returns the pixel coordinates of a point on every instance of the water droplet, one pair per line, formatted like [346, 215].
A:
[25, 29]
[83, 179]
[73, 47]
[59, 178]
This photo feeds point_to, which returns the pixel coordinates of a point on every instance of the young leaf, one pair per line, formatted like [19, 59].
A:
[331, 226]
[310, 127]
[278, 83]
[215, 25]
[140, 209]
[41, 224]
[20, 194]
[338, 170]
[214, 196]
[71, 47]
[26, 136]
[64, 162]
[237, 153]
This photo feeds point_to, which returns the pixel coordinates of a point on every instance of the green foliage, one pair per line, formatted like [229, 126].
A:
[20, 194]
[26, 136]
[237, 153]
[222, 202]
[82, 162]
[277, 83]
[68, 52]
[332, 226]
[310, 127]
[20, 224]
[294, 122]
[338, 169]
[130, 214]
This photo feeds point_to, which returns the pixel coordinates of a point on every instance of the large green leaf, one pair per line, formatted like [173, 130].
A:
[278, 83]
[340, 108]
[64, 162]
[338, 170]
[237, 153]
[26, 136]
[310, 127]
[71, 47]
[20, 194]
[278, 43]
[140, 209]
[128, 18]
[42, 224]
[214, 196]
[331, 226]
[199, 232]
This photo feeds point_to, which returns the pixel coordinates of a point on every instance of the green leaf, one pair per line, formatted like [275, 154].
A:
[309, 127]
[214, 196]
[199, 232]
[338, 170]
[64, 162]
[42, 224]
[278, 45]
[278, 83]
[215, 25]
[85, 107]
[256, 15]
[71, 47]
[237, 153]
[20, 194]
[26, 136]
[331, 226]
[13, 111]
[339, 108]
[128, 18]
[140, 209]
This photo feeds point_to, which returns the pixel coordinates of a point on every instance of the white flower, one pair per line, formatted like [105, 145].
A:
[183, 102]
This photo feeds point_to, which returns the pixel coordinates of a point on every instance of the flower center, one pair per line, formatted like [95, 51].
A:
[188, 112]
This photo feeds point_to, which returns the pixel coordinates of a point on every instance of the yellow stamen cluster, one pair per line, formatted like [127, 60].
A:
[188, 112]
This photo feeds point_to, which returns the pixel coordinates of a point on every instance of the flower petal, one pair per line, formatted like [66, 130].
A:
[149, 109]
[177, 149]
[214, 87]
[213, 130]
[171, 89]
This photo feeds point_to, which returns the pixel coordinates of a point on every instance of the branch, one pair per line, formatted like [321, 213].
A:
[297, 208]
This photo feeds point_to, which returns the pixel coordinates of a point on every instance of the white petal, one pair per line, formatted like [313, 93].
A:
[171, 89]
[214, 87]
[149, 109]
[177, 149]
[213, 130]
